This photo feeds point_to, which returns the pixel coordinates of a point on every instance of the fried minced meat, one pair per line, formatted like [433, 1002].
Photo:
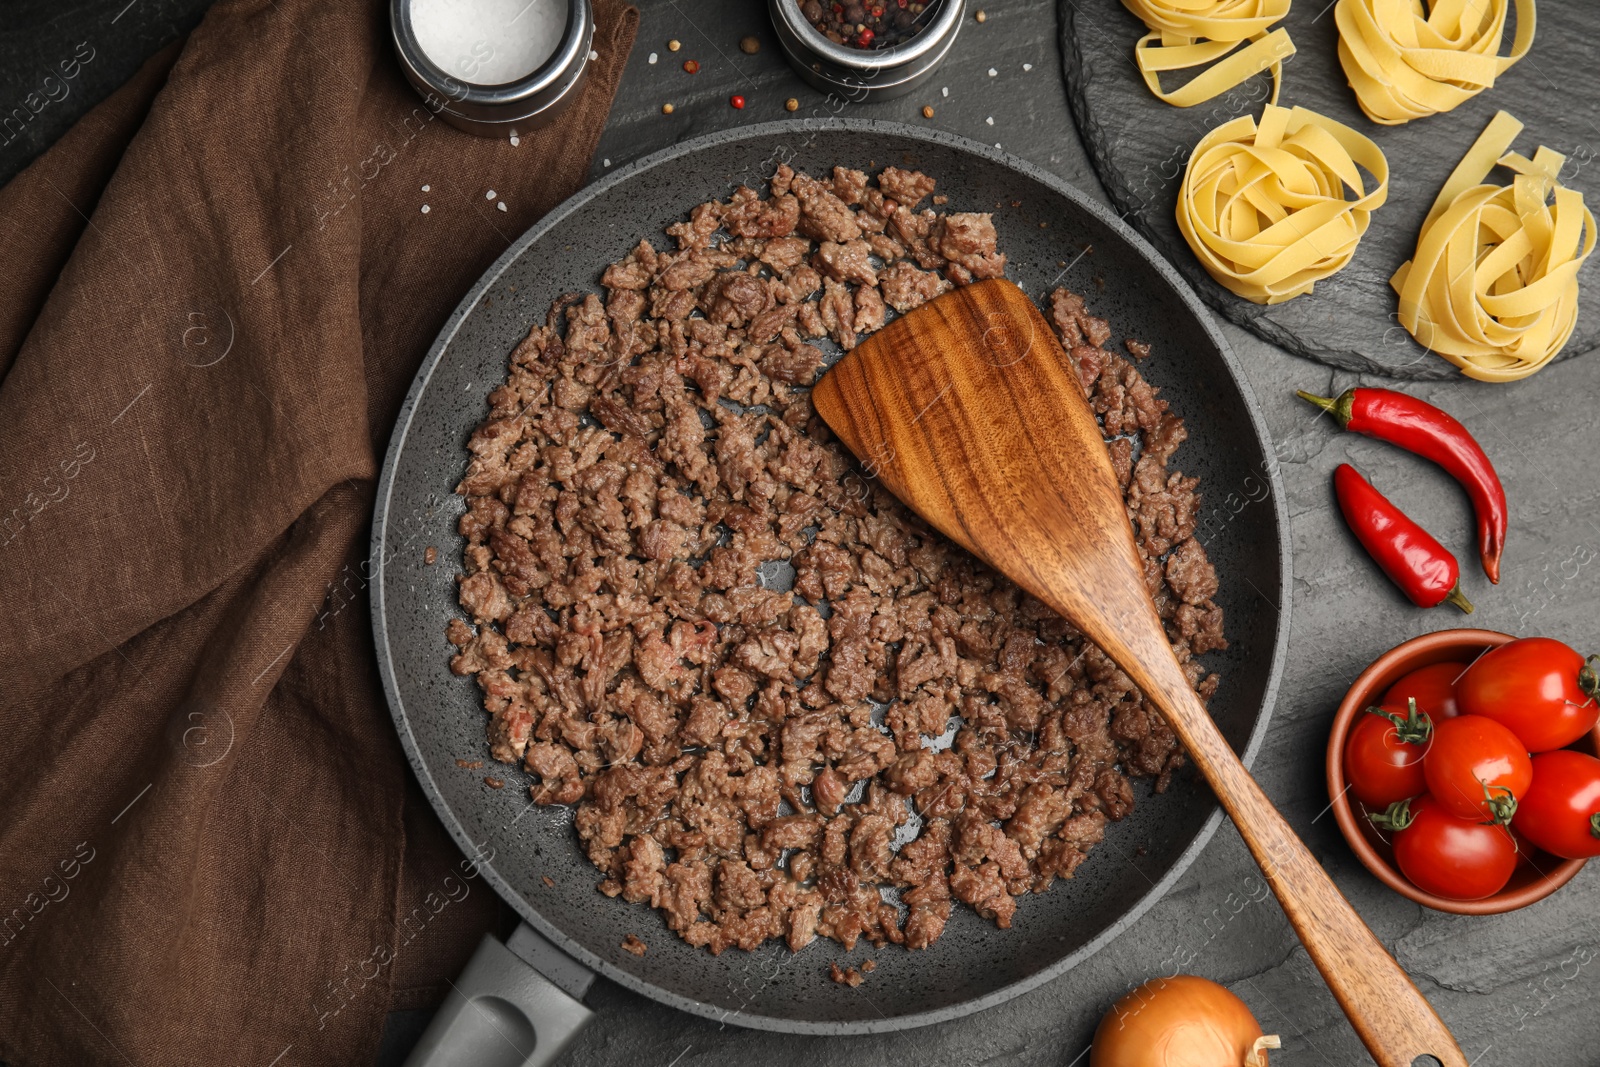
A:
[846, 745]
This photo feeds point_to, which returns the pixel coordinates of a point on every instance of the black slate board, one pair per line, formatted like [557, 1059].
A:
[1139, 145]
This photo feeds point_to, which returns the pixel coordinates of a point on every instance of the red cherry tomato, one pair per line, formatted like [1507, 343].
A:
[1558, 813]
[1434, 688]
[1383, 754]
[1540, 688]
[1446, 856]
[1477, 769]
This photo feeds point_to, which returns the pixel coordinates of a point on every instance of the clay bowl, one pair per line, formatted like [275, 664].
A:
[1535, 878]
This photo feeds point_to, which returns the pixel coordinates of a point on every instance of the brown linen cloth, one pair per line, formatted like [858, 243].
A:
[215, 291]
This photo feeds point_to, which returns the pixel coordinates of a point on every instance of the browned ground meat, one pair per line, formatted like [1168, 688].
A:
[900, 729]
[632, 944]
[848, 976]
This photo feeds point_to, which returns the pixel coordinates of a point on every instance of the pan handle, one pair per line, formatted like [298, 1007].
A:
[501, 1012]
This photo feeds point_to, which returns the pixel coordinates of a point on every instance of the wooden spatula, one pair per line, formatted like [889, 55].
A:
[969, 412]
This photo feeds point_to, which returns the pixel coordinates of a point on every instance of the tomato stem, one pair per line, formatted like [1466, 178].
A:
[1501, 807]
[1594, 824]
[1415, 729]
[1396, 816]
[1588, 678]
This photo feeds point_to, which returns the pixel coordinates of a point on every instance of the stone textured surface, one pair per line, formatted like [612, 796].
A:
[1517, 989]
[1139, 146]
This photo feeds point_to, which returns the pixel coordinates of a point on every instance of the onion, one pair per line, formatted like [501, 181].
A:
[1182, 1021]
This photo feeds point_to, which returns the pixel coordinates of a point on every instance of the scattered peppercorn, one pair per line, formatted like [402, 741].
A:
[666, 109]
[737, 101]
[673, 45]
[982, 15]
[750, 45]
[791, 104]
[691, 66]
[927, 112]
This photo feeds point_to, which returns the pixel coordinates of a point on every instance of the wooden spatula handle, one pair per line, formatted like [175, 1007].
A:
[1393, 1018]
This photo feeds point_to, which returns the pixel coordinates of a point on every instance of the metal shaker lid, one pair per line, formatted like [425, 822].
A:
[494, 67]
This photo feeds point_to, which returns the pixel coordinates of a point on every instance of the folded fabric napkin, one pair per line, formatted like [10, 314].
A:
[216, 289]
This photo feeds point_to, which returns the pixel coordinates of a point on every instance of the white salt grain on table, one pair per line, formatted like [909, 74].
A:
[945, 91]
[501, 205]
[653, 57]
[425, 209]
[490, 194]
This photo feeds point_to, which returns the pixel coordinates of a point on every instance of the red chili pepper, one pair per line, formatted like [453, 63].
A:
[1423, 429]
[1422, 567]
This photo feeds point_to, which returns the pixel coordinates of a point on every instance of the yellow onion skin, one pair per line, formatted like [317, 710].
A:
[1182, 1021]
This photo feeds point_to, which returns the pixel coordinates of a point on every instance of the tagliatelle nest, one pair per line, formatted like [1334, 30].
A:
[1405, 66]
[1493, 286]
[1189, 33]
[1267, 208]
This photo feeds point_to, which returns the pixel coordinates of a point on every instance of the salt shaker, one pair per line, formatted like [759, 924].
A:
[496, 68]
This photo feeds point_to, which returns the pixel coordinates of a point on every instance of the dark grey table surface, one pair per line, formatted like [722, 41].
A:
[1516, 989]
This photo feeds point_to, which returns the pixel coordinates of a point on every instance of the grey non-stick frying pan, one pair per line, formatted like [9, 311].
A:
[510, 1012]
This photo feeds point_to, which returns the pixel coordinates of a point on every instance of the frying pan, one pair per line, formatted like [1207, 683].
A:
[530, 854]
